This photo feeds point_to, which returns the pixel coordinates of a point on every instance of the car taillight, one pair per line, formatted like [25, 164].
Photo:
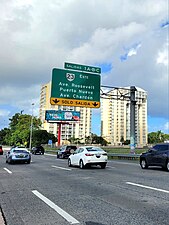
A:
[89, 154]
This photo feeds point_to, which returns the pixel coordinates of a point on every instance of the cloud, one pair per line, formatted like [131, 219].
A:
[165, 24]
[4, 112]
[130, 51]
[162, 57]
[166, 126]
[37, 35]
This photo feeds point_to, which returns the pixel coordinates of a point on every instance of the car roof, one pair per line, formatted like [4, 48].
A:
[20, 148]
[162, 144]
[91, 147]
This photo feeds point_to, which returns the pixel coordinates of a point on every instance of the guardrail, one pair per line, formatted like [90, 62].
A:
[112, 155]
[124, 156]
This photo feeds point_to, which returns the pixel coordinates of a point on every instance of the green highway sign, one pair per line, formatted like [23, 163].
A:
[90, 69]
[75, 88]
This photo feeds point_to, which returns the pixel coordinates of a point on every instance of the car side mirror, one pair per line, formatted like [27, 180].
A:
[72, 151]
[152, 150]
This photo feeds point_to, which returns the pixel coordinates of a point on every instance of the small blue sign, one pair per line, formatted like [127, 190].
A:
[50, 142]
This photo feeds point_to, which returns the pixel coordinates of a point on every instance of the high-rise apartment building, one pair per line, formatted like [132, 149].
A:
[115, 117]
[80, 129]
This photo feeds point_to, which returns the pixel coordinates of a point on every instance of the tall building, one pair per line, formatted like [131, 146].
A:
[80, 129]
[115, 117]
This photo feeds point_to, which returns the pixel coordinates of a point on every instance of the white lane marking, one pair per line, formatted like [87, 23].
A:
[62, 168]
[148, 187]
[50, 154]
[7, 170]
[64, 214]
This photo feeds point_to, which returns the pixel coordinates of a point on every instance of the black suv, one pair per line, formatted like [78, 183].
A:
[65, 151]
[158, 155]
[38, 150]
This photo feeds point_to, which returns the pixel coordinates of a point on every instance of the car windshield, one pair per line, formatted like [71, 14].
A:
[72, 147]
[92, 149]
[20, 151]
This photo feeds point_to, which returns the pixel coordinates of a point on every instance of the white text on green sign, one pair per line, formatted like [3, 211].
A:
[85, 68]
[75, 85]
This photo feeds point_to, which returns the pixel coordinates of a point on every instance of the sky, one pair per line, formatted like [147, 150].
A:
[128, 39]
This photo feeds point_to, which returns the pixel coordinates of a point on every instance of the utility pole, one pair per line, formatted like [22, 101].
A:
[31, 127]
[132, 118]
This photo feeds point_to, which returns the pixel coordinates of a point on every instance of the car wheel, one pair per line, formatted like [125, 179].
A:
[143, 164]
[10, 161]
[6, 161]
[69, 163]
[103, 166]
[28, 162]
[81, 164]
[167, 166]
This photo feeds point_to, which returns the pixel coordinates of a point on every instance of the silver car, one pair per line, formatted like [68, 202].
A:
[18, 155]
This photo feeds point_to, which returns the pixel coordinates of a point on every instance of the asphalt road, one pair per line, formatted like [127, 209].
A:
[48, 192]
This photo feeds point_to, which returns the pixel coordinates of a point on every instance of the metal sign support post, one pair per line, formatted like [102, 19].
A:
[132, 118]
[59, 133]
[31, 127]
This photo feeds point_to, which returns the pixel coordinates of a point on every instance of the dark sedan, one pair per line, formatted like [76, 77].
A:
[65, 151]
[158, 155]
[38, 150]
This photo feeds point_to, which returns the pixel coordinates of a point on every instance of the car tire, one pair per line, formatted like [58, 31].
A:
[28, 162]
[81, 164]
[103, 166]
[143, 164]
[69, 163]
[167, 166]
[10, 161]
[6, 161]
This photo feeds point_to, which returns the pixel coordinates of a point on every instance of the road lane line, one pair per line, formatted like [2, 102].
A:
[50, 154]
[62, 168]
[8, 170]
[148, 187]
[60, 211]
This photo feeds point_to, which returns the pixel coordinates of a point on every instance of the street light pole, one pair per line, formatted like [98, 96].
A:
[30, 142]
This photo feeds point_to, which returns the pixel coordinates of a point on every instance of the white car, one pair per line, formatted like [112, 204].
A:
[87, 156]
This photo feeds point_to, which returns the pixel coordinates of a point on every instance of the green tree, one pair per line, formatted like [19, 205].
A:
[98, 140]
[156, 137]
[42, 137]
[19, 127]
[4, 133]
